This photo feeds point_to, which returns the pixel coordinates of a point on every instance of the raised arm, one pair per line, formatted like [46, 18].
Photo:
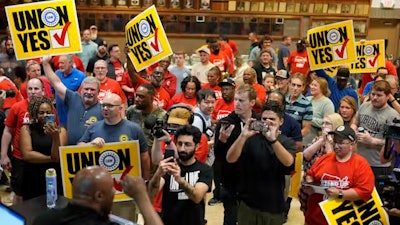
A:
[55, 81]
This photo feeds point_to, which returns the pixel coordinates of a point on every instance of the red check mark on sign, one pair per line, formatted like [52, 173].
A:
[61, 40]
[373, 61]
[155, 43]
[340, 52]
[117, 186]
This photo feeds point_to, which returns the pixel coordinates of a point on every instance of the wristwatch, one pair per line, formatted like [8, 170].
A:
[340, 194]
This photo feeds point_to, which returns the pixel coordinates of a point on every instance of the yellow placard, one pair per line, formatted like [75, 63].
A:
[118, 158]
[331, 45]
[146, 39]
[370, 56]
[331, 71]
[345, 212]
[42, 28]
[296, 176]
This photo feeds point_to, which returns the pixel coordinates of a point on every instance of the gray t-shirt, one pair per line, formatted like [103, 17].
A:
[180, 74]
[125, 130]
[283, 52]
[375, 122]
[77, 116]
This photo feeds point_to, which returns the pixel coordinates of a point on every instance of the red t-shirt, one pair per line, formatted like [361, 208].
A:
[216, 89]
[261, 95]
[327, 171]
[222, 109]
[47, 88]
[78, 64]
[161, 98]
[126, 80]
[119, 70]
[111, 86]
[222, 62]
[16, 118]
[169, 83]
[228, 51]
[233, 46]
[181, 99]
[299, 63]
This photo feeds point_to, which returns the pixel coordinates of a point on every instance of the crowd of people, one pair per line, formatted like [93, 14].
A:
[237, 126]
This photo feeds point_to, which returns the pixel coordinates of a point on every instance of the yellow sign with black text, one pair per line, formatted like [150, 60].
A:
[146, 39]
[296, 176]
[345, 212]
[119, 158]
[42, 28]
[331, 45]
[370, 56]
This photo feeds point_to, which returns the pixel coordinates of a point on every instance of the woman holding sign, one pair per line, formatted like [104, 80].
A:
[39, 142]
[340, 175]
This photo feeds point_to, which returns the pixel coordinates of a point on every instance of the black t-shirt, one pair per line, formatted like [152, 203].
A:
[262, 179]
[178, 209]
[72, 214]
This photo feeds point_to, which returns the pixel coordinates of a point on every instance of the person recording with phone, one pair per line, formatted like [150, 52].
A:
[184, 181]
[264, 156]
[39, 142]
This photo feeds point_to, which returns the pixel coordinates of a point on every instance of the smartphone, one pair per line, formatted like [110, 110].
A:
[50, 118]
[225, 124]
[259, 126]
[168, 153]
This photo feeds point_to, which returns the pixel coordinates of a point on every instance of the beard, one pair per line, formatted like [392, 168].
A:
[216, 51]
[10, 52]
[185, 156]
[102, 51]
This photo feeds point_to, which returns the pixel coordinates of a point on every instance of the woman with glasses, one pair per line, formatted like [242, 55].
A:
[320, 146]
[39, 142]
[343, 174]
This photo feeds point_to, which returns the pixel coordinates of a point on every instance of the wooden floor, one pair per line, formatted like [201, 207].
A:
[214, 214]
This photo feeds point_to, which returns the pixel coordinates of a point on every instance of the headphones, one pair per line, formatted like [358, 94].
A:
[182, 106]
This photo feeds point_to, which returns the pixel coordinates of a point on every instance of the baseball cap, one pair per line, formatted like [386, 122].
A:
[282, 74]
[93, 27]
[103, 43]
[345, 131]
[203, 49]
[227, 81]
[179, 116]
[301, 42]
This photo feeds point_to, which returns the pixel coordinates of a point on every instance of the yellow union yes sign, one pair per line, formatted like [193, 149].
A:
[118, 158]
[42, 28]
[370, 56]
[344, 212]
[146, 39]
[331, 45]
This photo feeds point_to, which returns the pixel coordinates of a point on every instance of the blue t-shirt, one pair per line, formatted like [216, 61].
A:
[125, 130]
[367, 88]
[78, 115]
[72, 81]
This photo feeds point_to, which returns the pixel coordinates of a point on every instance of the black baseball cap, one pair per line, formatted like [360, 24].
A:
[345, 131]
[227, 81]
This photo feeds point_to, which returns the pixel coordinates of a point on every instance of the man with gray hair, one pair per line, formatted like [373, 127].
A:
[83, 108]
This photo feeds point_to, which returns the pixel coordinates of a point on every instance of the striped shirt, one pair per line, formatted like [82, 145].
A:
[300, 110]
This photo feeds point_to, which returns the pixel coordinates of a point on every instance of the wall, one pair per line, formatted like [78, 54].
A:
[378, 30]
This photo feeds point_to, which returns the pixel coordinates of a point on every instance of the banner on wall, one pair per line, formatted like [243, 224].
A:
[119, 158]
[146, 39]
[339, 211]
[331, 45]
[42, 28]
[370, 56]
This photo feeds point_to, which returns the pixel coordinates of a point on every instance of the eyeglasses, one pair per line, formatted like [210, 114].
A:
[108, 106]
[341, 144]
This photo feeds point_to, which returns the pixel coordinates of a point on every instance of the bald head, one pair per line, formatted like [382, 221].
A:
[112, 98]
[93, 187]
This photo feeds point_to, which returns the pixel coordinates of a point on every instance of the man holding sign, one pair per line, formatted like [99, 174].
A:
[342, 173]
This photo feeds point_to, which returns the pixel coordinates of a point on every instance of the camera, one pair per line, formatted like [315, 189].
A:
[157, 125]
[9, 93]
[389, 190]
[259, 126]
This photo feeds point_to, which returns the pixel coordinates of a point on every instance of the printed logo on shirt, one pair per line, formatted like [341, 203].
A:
[25, 119]
[103, 93]
[220, 64]
[123, 137]
[190, 177]
[93, 119]
[222, 114]
[328, 180]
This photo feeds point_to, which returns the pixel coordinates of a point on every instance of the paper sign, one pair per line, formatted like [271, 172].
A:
[345, 212]
[146, 39]
[42, 28]
[370, 56]
[118, 158]
[331, 45]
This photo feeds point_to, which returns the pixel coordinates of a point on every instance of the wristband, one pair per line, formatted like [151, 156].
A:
[273, 142]
[392, 101]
